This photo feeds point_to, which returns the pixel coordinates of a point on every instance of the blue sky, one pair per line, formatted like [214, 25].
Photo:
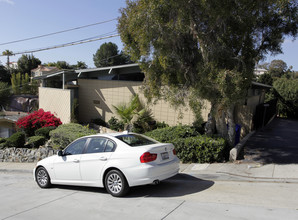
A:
[28, 18]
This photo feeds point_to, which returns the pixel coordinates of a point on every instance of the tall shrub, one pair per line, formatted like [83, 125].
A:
[16, 140]
[36, 120]
[5, 93]
[66, 133]
[287, 90]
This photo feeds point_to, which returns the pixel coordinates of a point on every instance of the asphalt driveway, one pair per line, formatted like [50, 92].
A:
[277, 143]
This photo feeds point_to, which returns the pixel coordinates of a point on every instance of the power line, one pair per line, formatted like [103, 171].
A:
[88, 40]
[58, 32]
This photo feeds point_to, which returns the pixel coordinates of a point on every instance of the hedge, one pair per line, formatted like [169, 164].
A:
[2, 140]
[169, 133]
[191, 146]
[67, 133]
[16, 140]
[45, 131]
[201, 149]
[36, 141]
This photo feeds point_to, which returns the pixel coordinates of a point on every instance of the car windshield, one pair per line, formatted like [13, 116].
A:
[135, 140]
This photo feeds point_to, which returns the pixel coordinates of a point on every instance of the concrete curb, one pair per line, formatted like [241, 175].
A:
[236, 150]
[262, 179]
[15, 171]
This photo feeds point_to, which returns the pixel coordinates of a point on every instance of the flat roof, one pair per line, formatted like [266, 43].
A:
[76, 73]
[107, 68]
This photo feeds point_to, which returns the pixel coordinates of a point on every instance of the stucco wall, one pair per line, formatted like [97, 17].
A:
[57, 101]
[97, 97]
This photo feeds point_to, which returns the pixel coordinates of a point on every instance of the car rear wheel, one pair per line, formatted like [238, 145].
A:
[42, 178]
[116, 184]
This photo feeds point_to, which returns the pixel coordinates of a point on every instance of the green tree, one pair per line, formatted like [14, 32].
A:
[287, 94]
[7, 53]
[80, 65]
[26, 63]
[16, 80]
[5, 93]
[109, 55]
[25, 85]
[4, 74]
[21, 84]
[34, 87]
[206, 48]
[60, 65]
[265, 78]
[277, 68]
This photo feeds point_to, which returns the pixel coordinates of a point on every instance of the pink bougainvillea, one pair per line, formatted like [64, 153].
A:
[36, 120]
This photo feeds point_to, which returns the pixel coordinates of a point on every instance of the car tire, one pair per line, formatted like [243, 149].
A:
[42, 178]
[116, 184]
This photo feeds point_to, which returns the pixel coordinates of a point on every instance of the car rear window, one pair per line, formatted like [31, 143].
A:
[135, 140]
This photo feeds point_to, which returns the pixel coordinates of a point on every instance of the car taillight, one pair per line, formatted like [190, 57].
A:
[148, 157]
[174, 152]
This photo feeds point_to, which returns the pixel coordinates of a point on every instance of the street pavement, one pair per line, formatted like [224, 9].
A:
[244, 189]
[217, 171]
[180, 197]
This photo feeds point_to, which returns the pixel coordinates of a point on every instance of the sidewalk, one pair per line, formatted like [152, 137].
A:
[217, 171]
[243, 171]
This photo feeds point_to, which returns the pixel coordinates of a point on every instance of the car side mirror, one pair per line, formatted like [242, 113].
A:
[60, 153]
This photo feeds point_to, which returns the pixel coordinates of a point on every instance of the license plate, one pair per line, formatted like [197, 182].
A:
[165, 155]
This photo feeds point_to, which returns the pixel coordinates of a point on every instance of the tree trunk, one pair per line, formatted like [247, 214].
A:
[210, 125]
[232, 125]
[221, 125]
[222, 120]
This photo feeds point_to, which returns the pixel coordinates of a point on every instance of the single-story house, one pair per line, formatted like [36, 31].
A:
[7, 122]
[96, 90]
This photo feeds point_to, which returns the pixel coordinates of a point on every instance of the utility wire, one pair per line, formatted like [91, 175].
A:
[58, 32]
[88, 40]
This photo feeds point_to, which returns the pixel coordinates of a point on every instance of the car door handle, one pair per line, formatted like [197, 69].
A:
[76, 161]
[103, 158]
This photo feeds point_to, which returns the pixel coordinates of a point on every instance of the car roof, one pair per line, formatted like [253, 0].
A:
[109, 134]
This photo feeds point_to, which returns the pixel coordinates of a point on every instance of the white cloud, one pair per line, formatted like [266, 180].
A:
[8, 1]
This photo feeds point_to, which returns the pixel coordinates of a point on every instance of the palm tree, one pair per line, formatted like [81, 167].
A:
[127, 111]
[7, 53]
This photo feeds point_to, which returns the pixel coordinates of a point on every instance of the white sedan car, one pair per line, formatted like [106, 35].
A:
[115, 161]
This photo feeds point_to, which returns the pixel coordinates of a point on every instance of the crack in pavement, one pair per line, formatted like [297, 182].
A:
[173, 210]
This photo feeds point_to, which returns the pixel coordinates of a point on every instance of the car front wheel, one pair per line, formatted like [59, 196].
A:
[116, 184]
[42, 178]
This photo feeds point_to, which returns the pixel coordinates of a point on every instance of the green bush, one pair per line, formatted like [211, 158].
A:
[145, 122]
[2, 140]
[45, 131]
[66, 133]
[201, 149]
[115, 124]
[2, 143]
[161, 125]
[169, 133]
[287, 93]
[191, 146]
[16, 140]
[36, 141]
